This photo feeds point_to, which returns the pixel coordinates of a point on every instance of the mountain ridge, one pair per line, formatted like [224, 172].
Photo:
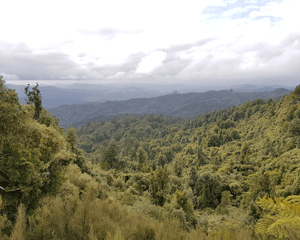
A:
[169, 105]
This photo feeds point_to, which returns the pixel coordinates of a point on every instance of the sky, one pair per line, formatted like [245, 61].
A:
[157, 41]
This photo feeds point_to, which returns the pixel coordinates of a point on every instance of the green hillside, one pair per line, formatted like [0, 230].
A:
[229, 174]
[241, 154]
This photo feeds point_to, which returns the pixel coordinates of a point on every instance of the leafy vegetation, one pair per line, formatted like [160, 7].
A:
[280, 216]
[228, 174]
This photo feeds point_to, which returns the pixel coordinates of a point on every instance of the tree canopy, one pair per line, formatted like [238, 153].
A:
[32, 154]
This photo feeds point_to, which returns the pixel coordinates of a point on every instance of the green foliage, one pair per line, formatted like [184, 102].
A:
[34, 97]
[71, 137]
[158, 184]
[279, 216]
[142, 157]
[296, 92]
[186, 205]
[32, 155]
[110, 156]
[208, 189]
[240, 149]
[294, 127]
[4, 222]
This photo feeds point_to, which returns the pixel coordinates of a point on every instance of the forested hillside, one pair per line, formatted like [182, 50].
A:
[187, 105]
[224, 162]
[228, 174]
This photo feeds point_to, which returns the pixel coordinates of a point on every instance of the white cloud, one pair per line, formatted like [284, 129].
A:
[251, 1]
[151, 61]
[249, 60]
[218, 3]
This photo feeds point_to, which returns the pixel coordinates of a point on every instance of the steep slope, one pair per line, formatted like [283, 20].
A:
[223, 161]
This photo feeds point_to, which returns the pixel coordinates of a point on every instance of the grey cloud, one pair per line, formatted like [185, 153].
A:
[286, 62]
[266, 53]
[81, 55]
[21, 61]
[171, 66]
[109, 31]
[187, 46]
[6, 47]
[129, 66]
[277, 61]
[292, 39]
[107, 70]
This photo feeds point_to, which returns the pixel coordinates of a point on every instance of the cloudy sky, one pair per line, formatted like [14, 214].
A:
[157, 41]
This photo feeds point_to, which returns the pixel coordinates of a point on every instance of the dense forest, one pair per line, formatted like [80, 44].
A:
[229, 174]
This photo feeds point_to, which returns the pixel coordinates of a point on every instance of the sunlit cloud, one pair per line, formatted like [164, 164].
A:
[151, 61]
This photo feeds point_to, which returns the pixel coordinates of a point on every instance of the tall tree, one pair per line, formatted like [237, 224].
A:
[110, 159]
[35, 98]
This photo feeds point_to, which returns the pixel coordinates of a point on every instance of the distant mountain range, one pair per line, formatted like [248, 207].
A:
[80, 93]
[170, 105]
[54, 96]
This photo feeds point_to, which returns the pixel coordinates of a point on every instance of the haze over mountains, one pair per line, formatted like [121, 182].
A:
[174, 104]
[80, 93]
[78, 104]
[60, 94]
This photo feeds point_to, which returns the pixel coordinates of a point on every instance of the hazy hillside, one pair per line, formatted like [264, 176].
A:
[54, 96]
[81, 93]
[169, 105]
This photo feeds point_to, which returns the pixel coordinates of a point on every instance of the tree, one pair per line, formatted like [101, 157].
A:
[209, 189]
[158, 183]
[200, 160]
[296, 92]
[110, 159]
[71, 137]
[187, 206]
[160, 159]
[142, 157]
[35, 98]
[178, 165]
[32, 155]
[193, 177]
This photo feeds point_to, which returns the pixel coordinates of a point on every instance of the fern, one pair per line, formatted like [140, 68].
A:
[280, 215]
